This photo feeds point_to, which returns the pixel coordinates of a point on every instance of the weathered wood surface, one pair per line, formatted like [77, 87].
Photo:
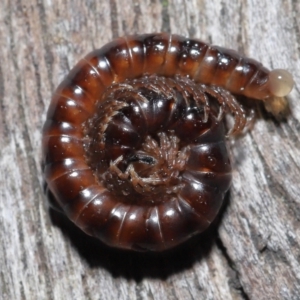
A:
[253, 250]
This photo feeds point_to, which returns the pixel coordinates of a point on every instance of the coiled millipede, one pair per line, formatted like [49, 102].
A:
[134, 144]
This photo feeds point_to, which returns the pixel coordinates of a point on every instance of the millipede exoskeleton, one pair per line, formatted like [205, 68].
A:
[134, 146]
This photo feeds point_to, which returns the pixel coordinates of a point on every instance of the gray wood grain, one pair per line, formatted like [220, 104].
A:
[252, 251]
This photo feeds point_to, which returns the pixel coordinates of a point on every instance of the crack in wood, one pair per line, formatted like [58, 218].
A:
[234, 276]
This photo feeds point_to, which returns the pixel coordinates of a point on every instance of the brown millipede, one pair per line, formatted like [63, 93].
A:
[134, 145]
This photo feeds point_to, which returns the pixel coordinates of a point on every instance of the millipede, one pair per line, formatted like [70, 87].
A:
[134, 143]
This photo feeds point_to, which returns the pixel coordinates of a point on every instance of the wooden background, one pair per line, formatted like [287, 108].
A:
[251, 252]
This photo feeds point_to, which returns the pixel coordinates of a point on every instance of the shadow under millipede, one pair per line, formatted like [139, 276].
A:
[139, 265]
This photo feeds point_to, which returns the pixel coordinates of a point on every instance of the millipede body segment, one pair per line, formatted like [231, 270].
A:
[134, 147]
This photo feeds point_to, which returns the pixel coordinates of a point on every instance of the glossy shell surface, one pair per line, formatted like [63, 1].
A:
[134, 147]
